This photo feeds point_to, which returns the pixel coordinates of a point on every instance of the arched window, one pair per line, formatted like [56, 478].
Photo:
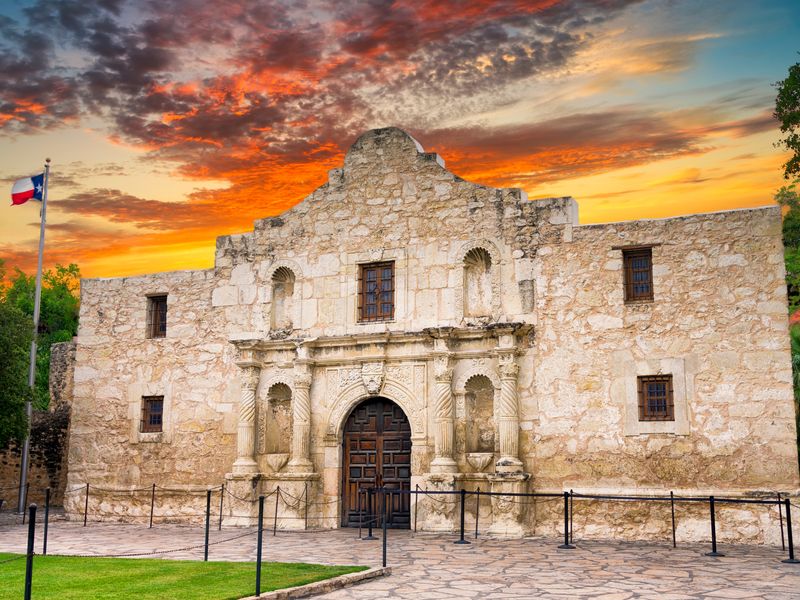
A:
[480, 414]
[282, 298]
[477, 283]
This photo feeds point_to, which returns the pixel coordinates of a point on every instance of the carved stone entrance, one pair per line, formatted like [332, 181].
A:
[376, 453]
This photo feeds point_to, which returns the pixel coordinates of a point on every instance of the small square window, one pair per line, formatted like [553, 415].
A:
[376, 292]
[152, 414]
[638, 274]
[655, 398]
[156, 316]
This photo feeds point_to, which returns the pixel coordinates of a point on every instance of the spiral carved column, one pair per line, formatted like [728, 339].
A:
[443, 461]
[300, 461]
[245, 434]
[508, 414]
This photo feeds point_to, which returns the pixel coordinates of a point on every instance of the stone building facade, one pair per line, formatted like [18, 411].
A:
[402, 327]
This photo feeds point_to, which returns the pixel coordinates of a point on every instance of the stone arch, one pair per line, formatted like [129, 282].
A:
[460, 382]
[353, 395]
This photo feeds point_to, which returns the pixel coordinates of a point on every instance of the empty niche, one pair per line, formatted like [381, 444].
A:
[279, 424]
[477, 283]
[282, 298]
[479, 398]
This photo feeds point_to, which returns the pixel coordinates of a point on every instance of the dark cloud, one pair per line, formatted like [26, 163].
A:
[119, 207]
[570, 146]
[267, 95]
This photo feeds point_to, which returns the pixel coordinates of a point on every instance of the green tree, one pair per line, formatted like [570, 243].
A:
[58, 315]
[787, 111]
[794, 334]
[15, 341]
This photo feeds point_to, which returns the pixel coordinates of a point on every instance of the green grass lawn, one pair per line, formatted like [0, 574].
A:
[65, 578]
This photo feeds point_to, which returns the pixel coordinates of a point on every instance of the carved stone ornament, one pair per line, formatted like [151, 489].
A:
[504, 505]
[302, 377]
[507, 366]
[250, 375]
[442, 371]
[372, 375]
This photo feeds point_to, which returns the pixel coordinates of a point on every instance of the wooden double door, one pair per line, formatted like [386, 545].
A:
[377, 454]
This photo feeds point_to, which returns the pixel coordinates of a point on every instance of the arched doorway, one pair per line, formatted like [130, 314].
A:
[376, 453]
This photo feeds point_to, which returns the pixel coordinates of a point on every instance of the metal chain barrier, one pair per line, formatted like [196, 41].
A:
[159, 552]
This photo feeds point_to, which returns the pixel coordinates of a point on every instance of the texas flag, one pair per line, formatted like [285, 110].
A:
[26, 188]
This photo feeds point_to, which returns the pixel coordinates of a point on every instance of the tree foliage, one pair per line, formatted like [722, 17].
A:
[15, 341]
[787, 111]
[58, 316]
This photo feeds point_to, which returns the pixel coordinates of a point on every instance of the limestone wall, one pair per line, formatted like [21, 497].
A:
[116, 364]
[718, 324]
[467, 257]
[389, 202]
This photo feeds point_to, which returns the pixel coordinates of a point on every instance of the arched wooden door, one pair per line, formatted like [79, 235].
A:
[376, 453]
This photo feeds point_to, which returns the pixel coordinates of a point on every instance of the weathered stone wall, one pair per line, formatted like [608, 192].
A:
[117, 365]
[718, 324]
[49, 438]
[534, 301]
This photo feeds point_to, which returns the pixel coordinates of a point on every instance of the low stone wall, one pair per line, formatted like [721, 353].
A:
[47, 460]
[49, 439]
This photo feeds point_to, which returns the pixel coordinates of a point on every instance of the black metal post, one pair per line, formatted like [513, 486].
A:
[258, 551]
[152, 504]
[791, 559]
[780, 516]
[370, 508]
[305, 494]
[86, 505]
[46, 519]
[385, 529]
[25, 499]
[477, 510]
[275, 520]
[29, 557]
[208, 520]
[713, 529]
[566, 545]
[571, 503]
[461, 540]
[221, 499]
[672, 504]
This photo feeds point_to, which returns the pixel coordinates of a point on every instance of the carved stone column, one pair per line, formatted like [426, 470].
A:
[300, 461]
[443, 461]
[245, 435]
[508, 412]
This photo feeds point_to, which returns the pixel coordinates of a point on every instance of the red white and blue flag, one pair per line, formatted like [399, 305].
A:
[26, 188]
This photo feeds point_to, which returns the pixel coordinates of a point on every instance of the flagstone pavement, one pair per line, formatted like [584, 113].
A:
[431, 566]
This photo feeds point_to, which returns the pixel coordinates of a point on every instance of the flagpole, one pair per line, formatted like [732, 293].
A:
[23, 477]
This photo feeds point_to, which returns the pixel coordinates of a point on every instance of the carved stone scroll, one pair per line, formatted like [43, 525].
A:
[245, 435]
[508, 413]
[301, 420]
[443, 461]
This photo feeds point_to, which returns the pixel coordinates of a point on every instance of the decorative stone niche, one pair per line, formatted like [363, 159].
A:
[279, 422]
[283, 280]
[477, 283]
[481, 428]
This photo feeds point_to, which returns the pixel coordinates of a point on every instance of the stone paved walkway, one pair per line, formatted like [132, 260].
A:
[430, 567]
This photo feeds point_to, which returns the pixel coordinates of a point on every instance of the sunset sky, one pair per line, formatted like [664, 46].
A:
[170, 122]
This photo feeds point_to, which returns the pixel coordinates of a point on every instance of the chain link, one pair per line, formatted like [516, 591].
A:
[158, 552]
